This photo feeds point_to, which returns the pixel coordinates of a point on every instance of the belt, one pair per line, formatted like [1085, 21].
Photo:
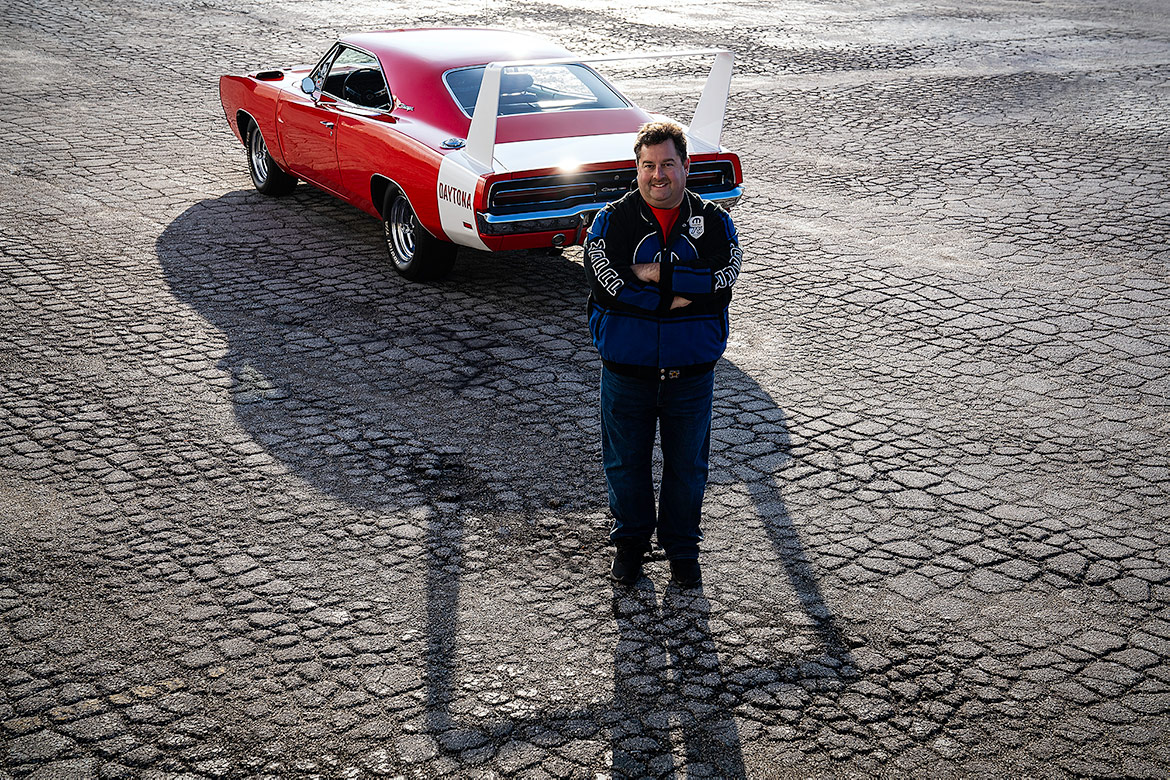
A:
[663, 374]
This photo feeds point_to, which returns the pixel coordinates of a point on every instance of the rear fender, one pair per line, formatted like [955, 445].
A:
[231, 97]
[459, 187]
[247, 100]
[381, 184]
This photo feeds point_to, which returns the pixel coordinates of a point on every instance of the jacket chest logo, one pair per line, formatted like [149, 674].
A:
[696, 227]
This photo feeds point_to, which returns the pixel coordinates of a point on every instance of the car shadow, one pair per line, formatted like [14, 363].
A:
[471, 403]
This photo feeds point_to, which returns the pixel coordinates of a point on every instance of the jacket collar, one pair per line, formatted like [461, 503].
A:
[684, 209]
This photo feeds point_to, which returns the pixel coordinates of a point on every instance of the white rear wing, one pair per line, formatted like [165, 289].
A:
[704, 131]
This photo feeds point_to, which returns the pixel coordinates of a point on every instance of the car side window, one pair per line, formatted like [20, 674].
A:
[355, 76]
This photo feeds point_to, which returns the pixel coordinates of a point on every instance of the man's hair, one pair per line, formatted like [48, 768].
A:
[654, 133]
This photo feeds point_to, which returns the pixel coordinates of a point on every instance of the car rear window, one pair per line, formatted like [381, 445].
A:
[534, 89]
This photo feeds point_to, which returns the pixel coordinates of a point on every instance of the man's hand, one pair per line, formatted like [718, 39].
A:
[647, 272]
[652, 272]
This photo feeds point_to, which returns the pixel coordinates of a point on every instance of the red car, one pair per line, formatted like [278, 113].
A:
[489, 139]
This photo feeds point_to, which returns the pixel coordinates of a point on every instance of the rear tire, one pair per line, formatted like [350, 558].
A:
[266, 175]
[415, 253]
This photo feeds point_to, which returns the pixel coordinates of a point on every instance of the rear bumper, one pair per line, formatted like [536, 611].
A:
[572, 222]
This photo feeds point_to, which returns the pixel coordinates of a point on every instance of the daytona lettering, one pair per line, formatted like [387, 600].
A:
[458, 197]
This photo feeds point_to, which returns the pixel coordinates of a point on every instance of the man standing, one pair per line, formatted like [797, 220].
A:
[661, 262]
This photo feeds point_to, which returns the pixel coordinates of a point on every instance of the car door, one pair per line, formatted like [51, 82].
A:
[308, 140]
[308, 125]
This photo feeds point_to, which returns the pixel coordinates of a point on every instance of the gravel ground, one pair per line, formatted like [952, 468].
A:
[266, 509]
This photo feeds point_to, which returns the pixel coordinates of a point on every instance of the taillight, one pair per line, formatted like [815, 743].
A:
[705, 179]
[540, 194]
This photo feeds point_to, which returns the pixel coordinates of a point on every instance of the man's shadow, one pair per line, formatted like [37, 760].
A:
[475, 400]
[668, 681]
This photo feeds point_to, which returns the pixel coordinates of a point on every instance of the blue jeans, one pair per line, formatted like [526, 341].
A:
[631, 409]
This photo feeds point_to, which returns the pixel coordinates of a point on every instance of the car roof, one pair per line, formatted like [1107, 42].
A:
[414, 61]
[443, 48]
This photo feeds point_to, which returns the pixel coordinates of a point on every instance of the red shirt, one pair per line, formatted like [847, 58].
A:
[666, 218]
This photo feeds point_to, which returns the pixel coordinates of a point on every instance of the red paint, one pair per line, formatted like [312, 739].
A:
[404, 146]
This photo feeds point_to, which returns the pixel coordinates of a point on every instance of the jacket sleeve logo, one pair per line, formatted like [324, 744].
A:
[607, 277]
[726, 276]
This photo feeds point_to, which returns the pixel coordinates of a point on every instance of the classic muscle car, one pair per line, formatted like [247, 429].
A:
[489, 139]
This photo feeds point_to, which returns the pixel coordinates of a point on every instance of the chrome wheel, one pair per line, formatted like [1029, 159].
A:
[400, 229]
[259, 157]
[416, 254]
[266, 174]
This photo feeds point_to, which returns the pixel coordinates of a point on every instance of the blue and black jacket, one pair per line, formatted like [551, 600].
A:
[632, 324]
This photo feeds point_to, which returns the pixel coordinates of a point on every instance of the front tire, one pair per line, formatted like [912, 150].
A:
[268, 178]
[415, 253]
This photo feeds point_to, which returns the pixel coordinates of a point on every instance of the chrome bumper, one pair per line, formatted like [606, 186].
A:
[575, 219]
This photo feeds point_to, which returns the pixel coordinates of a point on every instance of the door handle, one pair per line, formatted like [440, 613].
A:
[328, 124]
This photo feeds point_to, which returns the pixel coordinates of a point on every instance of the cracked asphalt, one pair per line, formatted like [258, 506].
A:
[268, 510]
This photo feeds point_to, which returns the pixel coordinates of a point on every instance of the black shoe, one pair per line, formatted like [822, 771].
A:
[686, 572]
[627, 565]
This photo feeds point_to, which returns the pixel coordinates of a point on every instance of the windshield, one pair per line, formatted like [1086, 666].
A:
[532, 89]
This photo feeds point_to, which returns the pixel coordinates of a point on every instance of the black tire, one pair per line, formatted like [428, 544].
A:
[415, 253]
[266, 175]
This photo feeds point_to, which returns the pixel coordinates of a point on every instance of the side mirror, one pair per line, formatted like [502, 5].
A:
[308, 86]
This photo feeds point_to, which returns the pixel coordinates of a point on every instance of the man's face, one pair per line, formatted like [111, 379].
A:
[662, 175]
